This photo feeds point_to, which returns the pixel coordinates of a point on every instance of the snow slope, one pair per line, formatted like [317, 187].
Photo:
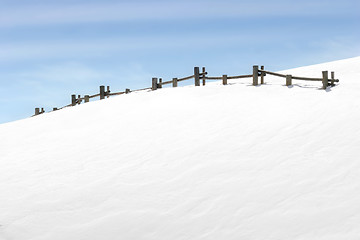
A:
[215, 162]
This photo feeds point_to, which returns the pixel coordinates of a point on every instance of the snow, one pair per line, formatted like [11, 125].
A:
[214, 162]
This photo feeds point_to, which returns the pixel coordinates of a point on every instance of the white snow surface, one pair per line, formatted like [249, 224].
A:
[216, 162]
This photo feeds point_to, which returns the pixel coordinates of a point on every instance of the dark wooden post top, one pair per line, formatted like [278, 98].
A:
[255, 75]
[203, 76]
[325, 79]
[197, 76]
[102, 92]
[107, 91]
[262, 75]
[175, 82]
[288, 80]
[73, 100]
[154, 84]
[332, 79]
[224, 79]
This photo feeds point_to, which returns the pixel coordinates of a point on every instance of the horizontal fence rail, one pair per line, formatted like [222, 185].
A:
[198, 76]
[241, 76]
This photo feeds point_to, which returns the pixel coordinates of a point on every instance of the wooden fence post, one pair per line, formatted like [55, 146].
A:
[175, 82]
[255, 75]
[42, 110]
[203, 76]
[224, 79]
[332, 79]
[73, 100]
[55, 109]
[87, 98]
[262, 75]
[127, 90]
[102, 92]
[288, 80]
[197, 76]
[37, 111]
[325, 79]
[79, 99]
[107, 91]
[154, 84]
[160, 83]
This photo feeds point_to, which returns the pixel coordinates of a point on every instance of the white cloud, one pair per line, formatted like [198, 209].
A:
[125, 11]
[62, 73]
[103, 46]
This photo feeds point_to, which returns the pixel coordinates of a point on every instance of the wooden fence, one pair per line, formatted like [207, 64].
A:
[198, 76]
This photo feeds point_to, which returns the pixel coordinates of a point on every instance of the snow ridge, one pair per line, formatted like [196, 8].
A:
[216, 162]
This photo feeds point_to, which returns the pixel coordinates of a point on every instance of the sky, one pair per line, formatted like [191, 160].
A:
[51, 49]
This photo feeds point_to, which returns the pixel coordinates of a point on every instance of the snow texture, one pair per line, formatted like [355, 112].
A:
[216, 162]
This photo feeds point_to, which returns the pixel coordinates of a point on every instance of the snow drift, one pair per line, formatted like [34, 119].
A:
[214, 162]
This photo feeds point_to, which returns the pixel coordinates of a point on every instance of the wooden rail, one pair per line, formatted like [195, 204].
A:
[116, 93]
[197, 76]
[213, 78]
[296, 78]
[229, 77]
[293, 77]
[272, 73]
[149, 88]
[240, 76]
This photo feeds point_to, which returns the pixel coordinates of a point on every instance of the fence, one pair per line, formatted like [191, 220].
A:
[197, 76]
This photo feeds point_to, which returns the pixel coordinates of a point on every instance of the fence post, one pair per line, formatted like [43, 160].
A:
[154, 84]
[325, 79]
[224, 79]
[37, 111]
[42, 110]
[197, 76]
[73, 100]
[79, 99]
[203, 76]
[102, 92]
[332, 79]
[127, 90]
[87, 98]
[175, 82]
[55, 109]
[255, 75]
[160, 83]
[288, 80]
[262, 75]
[107, 91]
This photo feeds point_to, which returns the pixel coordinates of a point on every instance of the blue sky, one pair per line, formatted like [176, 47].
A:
[52, 49]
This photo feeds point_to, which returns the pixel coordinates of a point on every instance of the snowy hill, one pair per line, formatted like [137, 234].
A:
[215, 162]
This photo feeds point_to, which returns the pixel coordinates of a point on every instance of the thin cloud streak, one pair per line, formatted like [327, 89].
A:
[99, 47]
[63, 73]
[105, 12]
